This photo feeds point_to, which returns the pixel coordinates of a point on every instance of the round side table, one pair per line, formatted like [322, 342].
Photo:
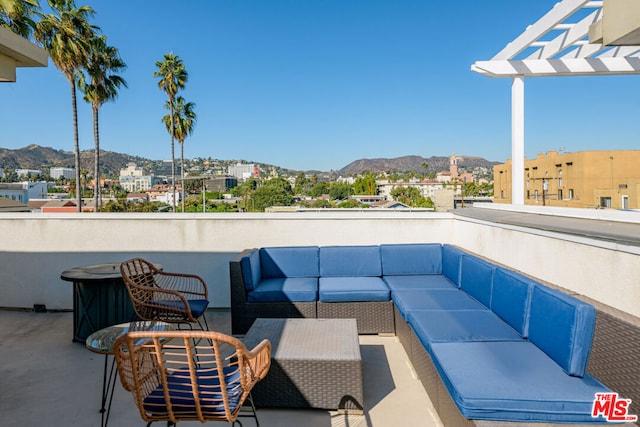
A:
[101, 342]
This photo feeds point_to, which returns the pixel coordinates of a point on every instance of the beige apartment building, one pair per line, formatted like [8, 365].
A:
[584, 179]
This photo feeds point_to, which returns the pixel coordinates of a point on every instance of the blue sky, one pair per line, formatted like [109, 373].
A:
[311, 84]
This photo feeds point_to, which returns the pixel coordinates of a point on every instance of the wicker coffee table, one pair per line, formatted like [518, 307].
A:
[315, 363]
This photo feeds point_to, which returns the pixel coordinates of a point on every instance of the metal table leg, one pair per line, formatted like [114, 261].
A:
[108, 385]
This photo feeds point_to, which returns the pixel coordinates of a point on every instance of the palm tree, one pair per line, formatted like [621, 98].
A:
[173, 76]
[65, 35]
[184, 120]
[16, 15]
[99, 86]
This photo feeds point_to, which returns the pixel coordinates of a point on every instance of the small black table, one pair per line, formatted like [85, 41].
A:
[100, 298]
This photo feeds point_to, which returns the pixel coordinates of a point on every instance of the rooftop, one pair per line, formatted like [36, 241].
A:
[50, 380]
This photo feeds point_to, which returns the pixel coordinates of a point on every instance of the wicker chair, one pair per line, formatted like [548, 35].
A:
[190, 375]
[168, 297]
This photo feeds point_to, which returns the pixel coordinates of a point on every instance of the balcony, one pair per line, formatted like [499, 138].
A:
[49, 379]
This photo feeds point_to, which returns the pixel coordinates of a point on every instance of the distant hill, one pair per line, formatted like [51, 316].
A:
[412, 163]
[43, 158]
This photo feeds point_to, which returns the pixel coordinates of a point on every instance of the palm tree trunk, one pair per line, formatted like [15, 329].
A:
[76, 142]
[96, 168]
[173, 158]
[182, 171]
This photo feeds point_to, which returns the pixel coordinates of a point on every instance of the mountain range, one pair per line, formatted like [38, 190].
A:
[43, 158]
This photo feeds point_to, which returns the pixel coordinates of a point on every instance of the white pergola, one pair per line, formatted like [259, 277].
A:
[575, 38]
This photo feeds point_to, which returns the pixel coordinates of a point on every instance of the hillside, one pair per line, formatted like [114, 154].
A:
[412, 163]
[43, 158]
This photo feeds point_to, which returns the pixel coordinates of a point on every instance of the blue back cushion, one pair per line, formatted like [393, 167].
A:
[411, 259]
[350, 261]
[251, 273]
[511, 297]
[296, 261]
[562, 326]
[476, 276]
[451, 257]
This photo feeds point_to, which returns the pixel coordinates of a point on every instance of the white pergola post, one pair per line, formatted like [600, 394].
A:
[517, 141]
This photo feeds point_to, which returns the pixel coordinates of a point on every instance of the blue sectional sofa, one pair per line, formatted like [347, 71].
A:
[487, 342]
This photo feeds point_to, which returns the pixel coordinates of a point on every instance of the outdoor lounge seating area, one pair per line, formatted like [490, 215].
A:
[500, 345]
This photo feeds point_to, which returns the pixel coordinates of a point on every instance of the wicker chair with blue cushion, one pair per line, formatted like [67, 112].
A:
[190, 375]
[169, 297]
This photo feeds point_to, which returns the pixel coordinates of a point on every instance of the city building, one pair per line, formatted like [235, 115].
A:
[67, 173]
[8, 205]
[28, 172]
[133, 179]
[221, 183]
[244, 171]
[23, 191]
[584, 179]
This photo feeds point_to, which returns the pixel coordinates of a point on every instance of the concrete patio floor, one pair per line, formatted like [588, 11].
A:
[48, 380]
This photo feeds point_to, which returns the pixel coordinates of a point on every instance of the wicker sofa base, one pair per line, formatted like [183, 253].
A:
[244, 314]
[375, 317]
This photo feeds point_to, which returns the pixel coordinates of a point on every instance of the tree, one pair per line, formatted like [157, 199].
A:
[411, 196]
[173, 76]
[99, 86]
[366, 185]
[267, 196]
[319, 189]
[65, 35]
[184, 120]
[16, 16]
[340, 191]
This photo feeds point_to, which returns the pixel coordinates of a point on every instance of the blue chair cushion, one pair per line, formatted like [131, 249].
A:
[297, 261]
[425, 281]
[451, 257]
[299, 289]
[348, 289]
[181, 396]
[476, 276]
[461, 325]
[346, 261]
[511, 297]
[411, 259]
[562, 326]
[407, 300]
[197, 306]
[513, 381]
[251, 272]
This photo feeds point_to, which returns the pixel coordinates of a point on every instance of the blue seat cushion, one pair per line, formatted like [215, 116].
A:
[411, 259]
[299, 289]
[423, 281]
[343, 261]
[295, 261]
[451, 257]
[181, 393]
[349, 289]
[562, 326]
[460, 325]
[251, 272]
[511, 298]
[476, 276]
[513, 381]
[197, 306]
[407, 300]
